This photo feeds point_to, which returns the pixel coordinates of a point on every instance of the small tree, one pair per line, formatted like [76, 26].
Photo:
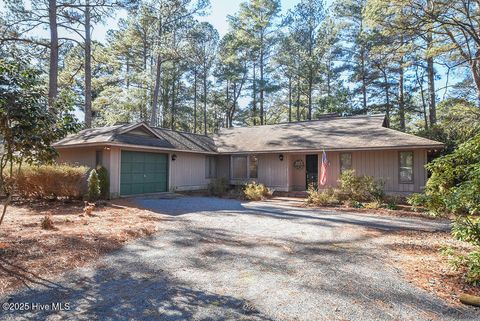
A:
[93, 186]
[28, 126]
[104, 182]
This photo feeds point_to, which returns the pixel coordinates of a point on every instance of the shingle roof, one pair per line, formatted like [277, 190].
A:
[118, 134]
[330, 133]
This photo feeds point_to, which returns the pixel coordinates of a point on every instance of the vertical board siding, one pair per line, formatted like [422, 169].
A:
[272, 172]
[383, 165]
[78, 156]
[188, 172]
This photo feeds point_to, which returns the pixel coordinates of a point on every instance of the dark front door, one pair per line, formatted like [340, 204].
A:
[311, 167]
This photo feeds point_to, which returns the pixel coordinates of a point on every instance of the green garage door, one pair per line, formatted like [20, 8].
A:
[143, 173]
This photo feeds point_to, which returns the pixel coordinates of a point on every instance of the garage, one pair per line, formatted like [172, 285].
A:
[143, 173]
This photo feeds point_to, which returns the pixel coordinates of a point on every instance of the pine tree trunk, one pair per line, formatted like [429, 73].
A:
[387, 97]
[195, 101]
[254, 98]
[158, 78]
[88, 68]
[53, 71]
[431, 91]
[289, 98]
[364, 83]
[262, 89]
[298, 98]
[156, 91]
[173, 107]
[431, 84]
[205, 125]
[401, 98]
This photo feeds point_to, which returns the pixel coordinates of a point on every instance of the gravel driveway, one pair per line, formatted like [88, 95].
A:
[216, 259]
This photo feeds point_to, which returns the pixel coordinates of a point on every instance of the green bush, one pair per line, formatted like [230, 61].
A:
[471, 262]
[417, 201]
[321, 198]
[104, 182]
[93, 186]
[454, 188]
[255, 192]
[51, 181]
[218, 186]
[360, 188]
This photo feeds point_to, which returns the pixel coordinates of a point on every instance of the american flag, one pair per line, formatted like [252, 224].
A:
[323, 170]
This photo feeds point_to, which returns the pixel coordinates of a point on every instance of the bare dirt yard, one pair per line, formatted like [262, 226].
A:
[30, 254]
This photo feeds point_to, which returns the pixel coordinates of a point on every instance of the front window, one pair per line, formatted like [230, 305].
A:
[345, 162]
[406, 167]
[244, 167]
[98, 158]
[253, 166]
[239, 167]
[210, 167]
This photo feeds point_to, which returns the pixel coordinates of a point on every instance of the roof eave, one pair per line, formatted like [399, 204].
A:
[115, 144]
[346, 149]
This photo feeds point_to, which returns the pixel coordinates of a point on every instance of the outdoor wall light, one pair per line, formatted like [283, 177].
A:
[174, 157]
[280, 157]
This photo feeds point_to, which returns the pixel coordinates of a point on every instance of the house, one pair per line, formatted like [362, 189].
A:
[286, 157]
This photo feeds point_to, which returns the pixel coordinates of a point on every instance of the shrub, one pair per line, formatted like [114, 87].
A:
[321, 198]
[47, 223]
[360, 188]
[93, 186]
[255, 192]
[417, 201]
[51, 181]
[353, 204]
[391, 205]
[454, 188]
[372, 205]
[218, 186]
[470, 261]
[104, 182]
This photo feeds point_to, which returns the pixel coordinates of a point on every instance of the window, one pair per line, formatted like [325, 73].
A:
[239, 167]
[406, 167]
[210, 167]
[345, 161]
[253, 166]
[98, 158]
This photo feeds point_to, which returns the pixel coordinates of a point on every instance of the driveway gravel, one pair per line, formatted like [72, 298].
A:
[217, 259]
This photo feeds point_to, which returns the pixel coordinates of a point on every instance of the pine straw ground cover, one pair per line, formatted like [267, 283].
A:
[418, 256]
[30, 254]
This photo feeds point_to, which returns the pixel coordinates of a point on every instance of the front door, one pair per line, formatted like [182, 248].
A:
[312, 170]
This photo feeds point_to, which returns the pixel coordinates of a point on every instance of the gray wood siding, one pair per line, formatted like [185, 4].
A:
[383, 165]
[187, 172]
[273, 172]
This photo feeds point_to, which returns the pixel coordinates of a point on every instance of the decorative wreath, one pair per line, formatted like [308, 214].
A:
[298, 164]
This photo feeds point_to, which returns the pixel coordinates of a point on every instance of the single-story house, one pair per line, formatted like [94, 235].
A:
[285, 157]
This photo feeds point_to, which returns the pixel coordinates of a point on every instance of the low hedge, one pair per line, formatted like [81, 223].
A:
[52, 181]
